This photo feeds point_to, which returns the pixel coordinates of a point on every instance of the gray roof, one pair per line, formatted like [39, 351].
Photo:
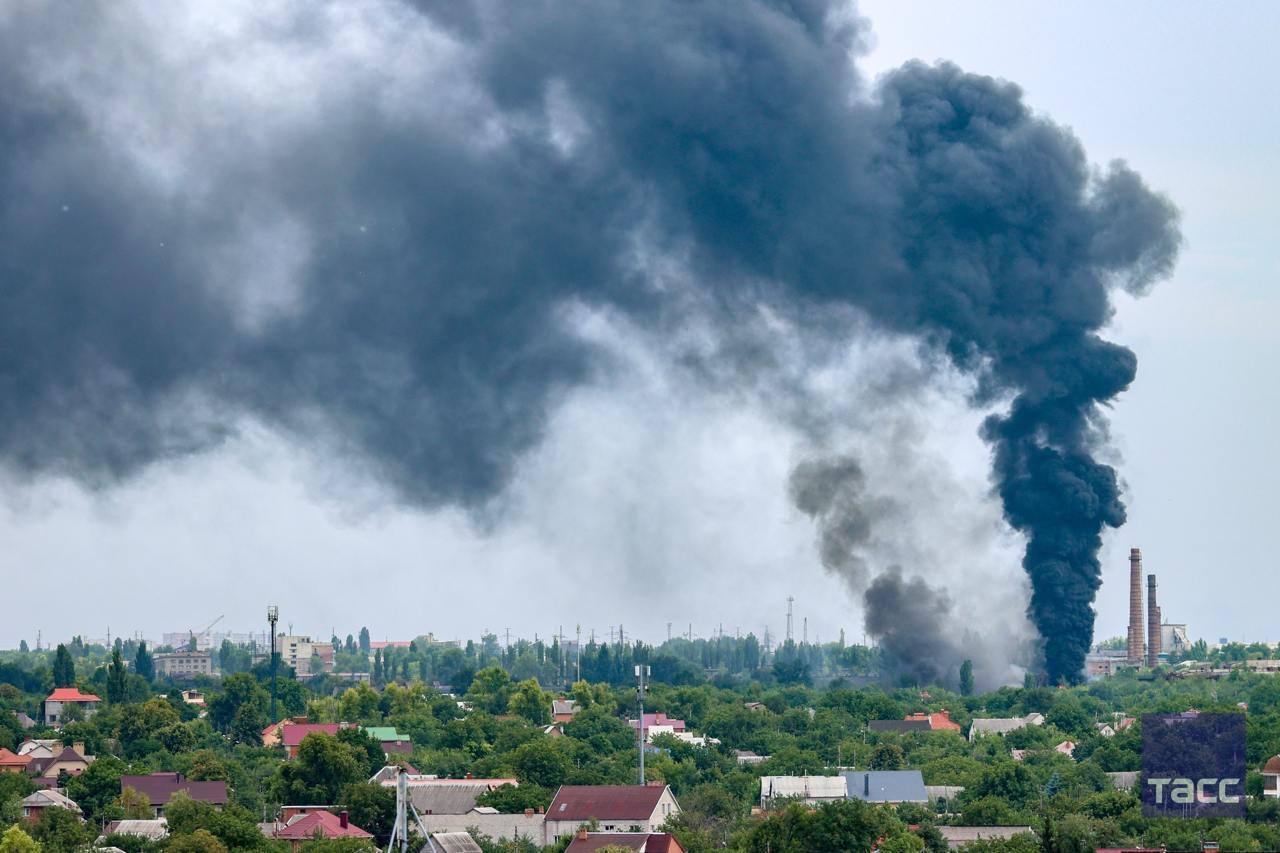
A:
[496, 826]
[454, 842]
[901, 726]
[50, 797]
[943, 792]
[446, 799]
[886, 786]
[154, 829]
[1123, 780]
[957, 836]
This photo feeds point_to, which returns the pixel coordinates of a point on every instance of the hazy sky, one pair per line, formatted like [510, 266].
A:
[651, 501]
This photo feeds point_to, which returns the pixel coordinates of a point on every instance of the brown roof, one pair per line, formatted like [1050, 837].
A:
[605, 802]
[293, 733]
[160, 788]
[646, 842]
[1272, 765]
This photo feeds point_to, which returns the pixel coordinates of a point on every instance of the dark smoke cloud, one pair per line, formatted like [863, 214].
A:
[454, 185]
[911, 619]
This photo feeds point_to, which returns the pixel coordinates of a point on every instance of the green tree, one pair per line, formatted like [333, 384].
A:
[364, 640]
[237, 690]
[135, 804]
[364, 744]
[15, 840]
[62, 831]
[370, 807]
[64, 668]
[117, 678]
[540, 762]
[206, 766]
[530, 701]
[490, 690]
[966, 678]
[887, 756]
[200, 841]
[97, 788]
[143, 664]
[512, 799]
[324, 766]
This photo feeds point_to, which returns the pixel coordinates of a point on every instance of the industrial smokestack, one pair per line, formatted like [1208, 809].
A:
[1153, 623]
[1135, 607]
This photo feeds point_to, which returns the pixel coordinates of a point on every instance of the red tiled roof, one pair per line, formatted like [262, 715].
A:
[649, 842]
[12, 759]
[605, 802]
[160, 788]
[71, 694]
[1272, 765]
[323, 823]
[293, 733]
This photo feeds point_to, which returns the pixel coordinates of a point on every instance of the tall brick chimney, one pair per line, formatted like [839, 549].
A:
[1135, 608]
[1153, 623]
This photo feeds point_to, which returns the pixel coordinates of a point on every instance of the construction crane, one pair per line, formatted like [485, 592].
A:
[207, 629]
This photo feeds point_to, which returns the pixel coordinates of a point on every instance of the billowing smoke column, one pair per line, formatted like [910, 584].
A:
[361, 226]
[907, 616]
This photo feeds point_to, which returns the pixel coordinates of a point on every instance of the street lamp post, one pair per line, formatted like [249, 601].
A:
[273, 614]
[642, 674]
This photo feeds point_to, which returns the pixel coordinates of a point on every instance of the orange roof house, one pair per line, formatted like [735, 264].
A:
[11, 762]
[939, 722]
[61, 698]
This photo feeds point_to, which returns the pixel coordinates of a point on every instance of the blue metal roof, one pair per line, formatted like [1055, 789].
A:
[886, 786]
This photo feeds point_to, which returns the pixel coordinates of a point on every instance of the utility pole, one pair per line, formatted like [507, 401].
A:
[789, 602]
[642, 674]
[806, 631]
[577, 648]
[273, 614]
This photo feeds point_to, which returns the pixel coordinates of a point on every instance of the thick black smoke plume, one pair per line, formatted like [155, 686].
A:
[361, 224]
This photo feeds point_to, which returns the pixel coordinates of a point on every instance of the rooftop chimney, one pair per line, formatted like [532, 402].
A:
[1135, 608]
[343, 819]
[1153, 623]
[582, 833]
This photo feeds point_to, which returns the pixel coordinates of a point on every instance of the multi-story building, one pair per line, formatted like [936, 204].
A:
[297, 651]
[183, 664]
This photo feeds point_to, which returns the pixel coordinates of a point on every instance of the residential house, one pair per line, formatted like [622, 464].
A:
[39, 747]
[452, 842]
[886, 786]
[755, 706]
[24, 722]
[291, 734]
[563, 710]
[939, 721]
[747, 758]
[71, 760]
[1002, 725]
[1123, 780]
[958, 836]
[58, 703]
[193, 697]
[615, 808]
[11, 762]
[431, 795]
[48, 798]
[1105, 729]
[941, 796]
[391, 740]
[160, 788]
[900, 726]
[1271, 777]
[319, 824]
[641, 842]
[812, 790]
[183, 664]
[1067, 748]
[667, 724]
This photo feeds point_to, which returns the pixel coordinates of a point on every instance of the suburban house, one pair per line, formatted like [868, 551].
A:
[160, 788]
[33, 805]
[319, 824]
[1002, 725]
[63, 698]
[24, 721]
[562, 710]
[291, 734]
[886, 786]
[748, 758]
[183, 664]
[70, 760]
[11, 762]
[641, 842]
[812, 790]
[1271, 777]
[391, 740]
[901, 727]
[526, 827]
[39, 747]
[939, 722]
[193, 697]
[615, 808]
[755, 706]
[660, 720]
[435, 796]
